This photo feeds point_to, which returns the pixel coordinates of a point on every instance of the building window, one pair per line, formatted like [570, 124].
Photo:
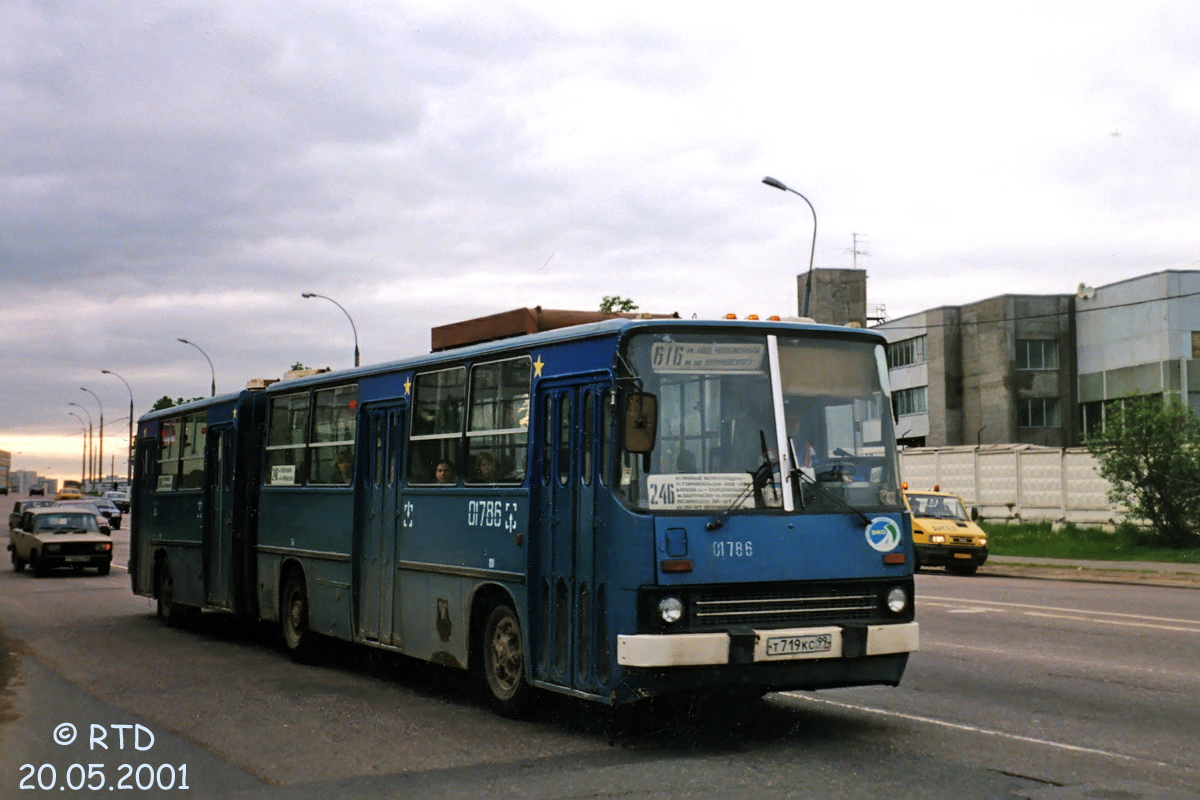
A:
[909, 351]
[911, 401]
[1037, 354]
[1038, 412]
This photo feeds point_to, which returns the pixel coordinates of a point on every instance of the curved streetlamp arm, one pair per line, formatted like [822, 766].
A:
[769, 181]
[210, 365]
[307, 295]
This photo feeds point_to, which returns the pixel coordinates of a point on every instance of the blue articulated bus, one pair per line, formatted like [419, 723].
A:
[613, 510]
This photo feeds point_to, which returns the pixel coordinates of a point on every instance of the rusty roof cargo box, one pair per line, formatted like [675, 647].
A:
[521, 321]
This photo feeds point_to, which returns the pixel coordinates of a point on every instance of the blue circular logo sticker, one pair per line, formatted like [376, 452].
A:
[883, 534]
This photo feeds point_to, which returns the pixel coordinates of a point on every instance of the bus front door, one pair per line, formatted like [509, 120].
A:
[569, 577]
[379, 536]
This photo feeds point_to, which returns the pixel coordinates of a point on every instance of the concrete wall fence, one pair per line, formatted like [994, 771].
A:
[1017, 483]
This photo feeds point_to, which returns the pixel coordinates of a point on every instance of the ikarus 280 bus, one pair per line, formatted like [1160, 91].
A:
[612, 510]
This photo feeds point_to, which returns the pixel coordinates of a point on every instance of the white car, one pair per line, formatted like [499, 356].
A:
[60, 536]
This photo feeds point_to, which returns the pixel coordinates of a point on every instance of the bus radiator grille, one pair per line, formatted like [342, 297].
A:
[794, 606]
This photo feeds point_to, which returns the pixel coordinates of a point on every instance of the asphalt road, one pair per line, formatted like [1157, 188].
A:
[1022, 689]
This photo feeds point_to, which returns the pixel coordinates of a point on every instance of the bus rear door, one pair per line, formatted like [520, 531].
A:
[218, 517]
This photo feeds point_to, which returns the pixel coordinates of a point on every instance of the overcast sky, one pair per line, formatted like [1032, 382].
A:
[188, 169]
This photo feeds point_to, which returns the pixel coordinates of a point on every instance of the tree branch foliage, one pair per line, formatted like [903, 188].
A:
[1149, 451]
[615, 303]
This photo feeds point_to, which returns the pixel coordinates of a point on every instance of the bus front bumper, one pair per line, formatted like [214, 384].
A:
[766, 646]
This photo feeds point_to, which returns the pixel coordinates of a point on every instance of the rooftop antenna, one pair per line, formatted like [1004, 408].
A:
[854, 251]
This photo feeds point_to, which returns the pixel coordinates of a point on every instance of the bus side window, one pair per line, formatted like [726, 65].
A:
[439, 399]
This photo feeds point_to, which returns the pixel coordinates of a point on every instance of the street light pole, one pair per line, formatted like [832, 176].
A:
[344, 311]
[100, 460]
[769, 181]
[210, 366]
[129, 457]
[83, 457]
[87, 478]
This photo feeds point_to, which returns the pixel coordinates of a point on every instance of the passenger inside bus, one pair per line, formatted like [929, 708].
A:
[445, 472]
[485, 468]
[345, 467]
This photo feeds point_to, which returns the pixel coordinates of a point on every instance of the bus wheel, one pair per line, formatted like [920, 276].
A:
[293, 616]
[503, 662]
[167, 609]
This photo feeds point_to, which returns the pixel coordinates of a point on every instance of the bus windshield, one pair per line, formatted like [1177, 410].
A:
[729, 405]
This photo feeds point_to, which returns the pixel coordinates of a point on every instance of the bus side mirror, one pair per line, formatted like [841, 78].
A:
[641, 422]
[974, 514]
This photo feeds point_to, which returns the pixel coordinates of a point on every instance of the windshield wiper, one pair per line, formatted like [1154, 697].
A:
[798, 473]
[758, 479]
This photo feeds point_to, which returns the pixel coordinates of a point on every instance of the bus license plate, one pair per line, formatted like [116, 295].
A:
[799, 645]
[962, 555]
[76, 559]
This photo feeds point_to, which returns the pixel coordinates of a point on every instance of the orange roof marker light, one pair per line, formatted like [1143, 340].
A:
[731, 316]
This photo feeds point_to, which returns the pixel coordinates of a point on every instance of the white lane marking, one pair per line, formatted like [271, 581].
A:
[1112, 622]
[1141, 617]
[976, 729]
[928, 645]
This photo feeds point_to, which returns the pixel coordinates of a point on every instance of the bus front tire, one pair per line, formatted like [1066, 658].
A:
[503, 662]
[293, 618]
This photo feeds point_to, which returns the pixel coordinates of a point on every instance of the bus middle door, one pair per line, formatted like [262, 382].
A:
[379, 537]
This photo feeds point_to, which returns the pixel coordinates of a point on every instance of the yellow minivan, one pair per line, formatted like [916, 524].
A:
[943, 534]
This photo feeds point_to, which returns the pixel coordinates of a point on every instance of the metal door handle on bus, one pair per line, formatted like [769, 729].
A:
[199, 509]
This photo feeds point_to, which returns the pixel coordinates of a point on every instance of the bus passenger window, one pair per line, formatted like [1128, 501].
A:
[287, 434]
[168, 456]
[439, 399]
[334, 419]
[498, 425]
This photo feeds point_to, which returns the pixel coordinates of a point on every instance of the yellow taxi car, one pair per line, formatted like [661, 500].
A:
[943, 534]
[68, 493]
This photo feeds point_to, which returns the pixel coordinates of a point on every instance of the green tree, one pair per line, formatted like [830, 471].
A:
[299, 365]
[616, 303]
[1150, 452]
[166, 402]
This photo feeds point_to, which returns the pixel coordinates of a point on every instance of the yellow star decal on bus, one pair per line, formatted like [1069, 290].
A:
[537, 367]
[407, 386]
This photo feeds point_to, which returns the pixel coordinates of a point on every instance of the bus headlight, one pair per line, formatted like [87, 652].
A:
[983, 541]
[897, 599]
[937, 538]
[670, 610]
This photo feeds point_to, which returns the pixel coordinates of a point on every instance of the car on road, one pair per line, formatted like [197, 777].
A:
[944, 535]
[21, 506]
[60, 536]
[110, 513]
[119, 499]
[37, 490]
[67, 493]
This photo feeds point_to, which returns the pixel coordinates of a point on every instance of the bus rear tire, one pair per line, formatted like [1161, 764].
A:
[293, 618]
[502, 660]
[165, 606]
